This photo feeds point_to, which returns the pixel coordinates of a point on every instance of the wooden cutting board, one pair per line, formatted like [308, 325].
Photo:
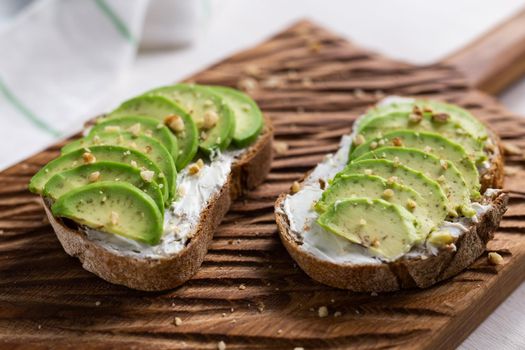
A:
[249, 293]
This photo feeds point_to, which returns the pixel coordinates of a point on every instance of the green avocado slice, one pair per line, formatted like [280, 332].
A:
[82, 175]
[458, 115]
[385, 229]
[162, 108]
[434, 199]
[379, 126]
[141, 126]
[99, 153]
[432, 143]
[113, 207]
[214, 119]
[148, 146]
[370, 186]
[248, 117]
[441, 171]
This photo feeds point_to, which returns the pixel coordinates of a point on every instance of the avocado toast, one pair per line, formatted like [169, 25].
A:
[137, 199]
[411, 198]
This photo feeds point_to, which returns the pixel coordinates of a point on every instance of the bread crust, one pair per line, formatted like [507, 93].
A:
[406, 272]
[149, 274]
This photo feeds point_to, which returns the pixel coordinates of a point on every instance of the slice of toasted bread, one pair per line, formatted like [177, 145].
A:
[151, 274]
[407, 271]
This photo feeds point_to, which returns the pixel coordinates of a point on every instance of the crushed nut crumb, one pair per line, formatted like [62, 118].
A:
[174, 122]
[295, 187]
[388, 193]
[411, 204]
[210, 119]
[134, 164]
[114, 218]
[359, 140]
[495, 258]
[440, 117]
[242, 287]
[221, 345]
[112, 128]
[247, 84]
[373, 145]
[396, 141]
[280, 147]
[415, 118]
[362, 222]
[443, 163]
[177, 322]
[94, 176]
[135, 129]
[375, 243]
[323, 311]
[392, 179]
[368, 171]
[147, 175]
[89, 158]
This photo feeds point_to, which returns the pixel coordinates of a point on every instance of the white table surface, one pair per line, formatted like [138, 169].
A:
[416, 31]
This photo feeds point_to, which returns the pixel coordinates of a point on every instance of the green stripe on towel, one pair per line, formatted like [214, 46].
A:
[116, 20]
[26, 112]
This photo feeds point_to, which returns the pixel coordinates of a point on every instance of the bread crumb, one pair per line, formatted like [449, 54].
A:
[495, 258]
[242, 287]
[247, 84]
[359, 140]
[114, 218]
[147, 175]
[511, 149]
[177, 322]
[135, 129]
[296, 187]
[280, 147]
[323, 311]
[94, 176]
[221, 345]
[89, 158]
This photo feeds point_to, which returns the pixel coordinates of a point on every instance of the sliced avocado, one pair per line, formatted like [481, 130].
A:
[150, 147]
[214, 119]
[434, 199]
[379, 126]
[165, 110]
[458, 115]
[98, 153]
[442, 171]
[113, 207]
[432, 143]
[387, 230]
[370, 186]
[248, 117]
[138, 125]
[68, 180]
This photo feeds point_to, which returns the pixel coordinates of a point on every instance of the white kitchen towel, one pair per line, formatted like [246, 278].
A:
[57, 59]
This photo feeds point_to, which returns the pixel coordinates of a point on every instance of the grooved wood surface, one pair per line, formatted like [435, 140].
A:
[248, 293]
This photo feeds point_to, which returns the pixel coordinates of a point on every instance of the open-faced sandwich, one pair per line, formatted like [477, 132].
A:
[137, 199]
[410, 198]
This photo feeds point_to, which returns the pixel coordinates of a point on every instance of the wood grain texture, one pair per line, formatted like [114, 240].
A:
[248, 292]
[495, 59]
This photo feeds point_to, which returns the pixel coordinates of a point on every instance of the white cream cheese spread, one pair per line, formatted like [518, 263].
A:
[298, 208]
[182, 217]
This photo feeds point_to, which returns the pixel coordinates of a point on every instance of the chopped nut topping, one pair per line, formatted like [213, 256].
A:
[427, 149]
[411, 204]
[134, 164]
[242, 287]
[148, 133]
[221, 345]
[415, 118]
[396, 162]
[210, 119]
[428, 109]
[443, 163]
[280, 147]
[96, 140]
[375, 243]
[94, 176]
[397, 142]
[135, 129]
[362, 222]
[323, 311]
[113, 218]
[511, 149]
[359, 140]
[388, 193]
[112, 128]
[195, 167]
[416, 110]
[147, 175]
[381, 142]
[440, 117]
[177, 322]
[204, 135]
[441, 179]
[89, 158]
[373, 145]
[337, 314]
[174, 122]
[295, 187]
[392, 179]
[368, 171]
[247, 84]
[495, 258]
